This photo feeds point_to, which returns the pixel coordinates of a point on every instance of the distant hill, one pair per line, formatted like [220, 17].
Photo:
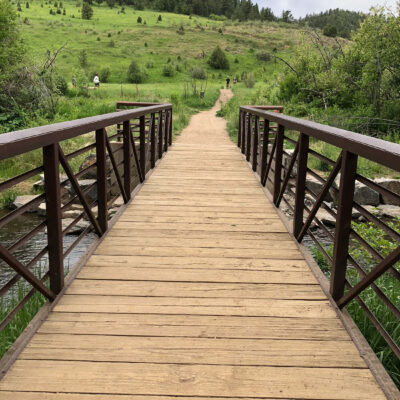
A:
[335, 22]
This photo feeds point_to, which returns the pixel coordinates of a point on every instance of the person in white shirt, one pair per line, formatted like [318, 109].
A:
[96, 81]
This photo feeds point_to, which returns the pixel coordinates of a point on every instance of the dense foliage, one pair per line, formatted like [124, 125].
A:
[218, 59]
[334, 22]
[362, 77]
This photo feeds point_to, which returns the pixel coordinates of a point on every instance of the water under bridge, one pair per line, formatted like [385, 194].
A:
[198, 288]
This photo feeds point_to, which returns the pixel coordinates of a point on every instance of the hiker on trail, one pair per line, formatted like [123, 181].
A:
[96, 81]
[73, 81]
[235, 80]
[228, 82]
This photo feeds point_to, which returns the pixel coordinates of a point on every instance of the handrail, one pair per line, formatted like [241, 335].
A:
[307, 193]
[377, 150]
[110, 171]
[19, 142]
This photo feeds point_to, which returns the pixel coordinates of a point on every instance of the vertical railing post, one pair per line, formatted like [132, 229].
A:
[101, 164]
[278, 162]
[248, 140]
[244, 132]
[127, 158]
[53, 216]
[160, 134]
[239, 138]
[142, 141]
[300, 184]
[153, 140]
[343, 224]
[255, 143]
[170, 128]
[166, 125]
[264, 155]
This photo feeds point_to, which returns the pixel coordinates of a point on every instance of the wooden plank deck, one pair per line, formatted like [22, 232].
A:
[198, 292]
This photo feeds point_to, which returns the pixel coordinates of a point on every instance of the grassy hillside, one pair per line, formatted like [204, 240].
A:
[113, 39]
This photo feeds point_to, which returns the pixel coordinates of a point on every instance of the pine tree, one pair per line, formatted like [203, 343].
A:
[87, 11]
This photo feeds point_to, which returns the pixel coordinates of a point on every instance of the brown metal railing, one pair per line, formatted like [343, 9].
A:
[265, 137]
[118, 167]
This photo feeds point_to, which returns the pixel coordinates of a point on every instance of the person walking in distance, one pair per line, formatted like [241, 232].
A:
[96, 81]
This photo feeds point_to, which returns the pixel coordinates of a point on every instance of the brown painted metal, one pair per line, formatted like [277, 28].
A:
[243, 129]
[51, 164]
[248, 139]
[142, 148]
[137, 162]
[25, 273]
[127, 146]
[343, 224]
[166, 125]
[153, 141]
[269, 165]
[302, 162]
[255, 143]
[160, 134]
[264, 155]
[278, 162]
[170, 128]
[101, 164]
[78, 191]
[239, 138]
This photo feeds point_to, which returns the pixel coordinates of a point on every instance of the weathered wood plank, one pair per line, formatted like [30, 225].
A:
[191, 380]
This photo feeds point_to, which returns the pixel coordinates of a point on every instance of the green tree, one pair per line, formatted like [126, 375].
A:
[218, 59]
[330, 30]
[287, 16]
[159, 19]
[135, 73]
[139, 20]
[87, 10]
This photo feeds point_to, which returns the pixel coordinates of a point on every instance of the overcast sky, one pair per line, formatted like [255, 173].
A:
[300, 8]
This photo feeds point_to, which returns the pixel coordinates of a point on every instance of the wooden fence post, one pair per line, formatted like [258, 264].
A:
[101, 164]
[343, 224]
[53, 215]
[300, 184]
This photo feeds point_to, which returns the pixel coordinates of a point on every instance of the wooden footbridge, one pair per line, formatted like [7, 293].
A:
[198, 288]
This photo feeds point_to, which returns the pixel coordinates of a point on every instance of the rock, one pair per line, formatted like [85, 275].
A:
[316, 186]
[118, 203]
[326, 218]
[287, 159]
[87, 162]
[372, 209]
[72, 213]
[390, 211]
[84, 184]
[22, 200]
[363, 194]
[41, 210]
[392, 185]
[77, 228]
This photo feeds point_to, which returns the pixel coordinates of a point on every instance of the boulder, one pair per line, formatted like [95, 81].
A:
[22, 200]
[72, 213]
[390, 211]
[391, 184]
[287, 159]
[84, 184]
[363, 194]
[326, 218]
[41, 210]
[316, 186]
[87, 162]
[77, 229]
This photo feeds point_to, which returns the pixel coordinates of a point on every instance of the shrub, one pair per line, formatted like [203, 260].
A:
[27, 5]
[236, 61]
[139, 20]
[104, 75]
[168, 70]
[109, 34]
[135, 73]
[87, 11]
[249, 80]
[82, 58]
[159, 19]
[330, 30]
[61, 85]
[58, 11]
[220, 31]
[218, 59]
[181, 30]
[198, 73]
[263, 56]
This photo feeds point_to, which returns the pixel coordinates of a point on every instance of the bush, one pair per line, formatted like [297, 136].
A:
[135, 73]
[181, 30]
[168, 70]
[249, 80]
[159, 19]
[104, 75]
[198, 73]
[61, 85]
[87, 11]
[218, 59]
[263, 56]
[139, 20]
[330, 30]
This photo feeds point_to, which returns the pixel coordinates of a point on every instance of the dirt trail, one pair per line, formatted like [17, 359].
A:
[205, 127]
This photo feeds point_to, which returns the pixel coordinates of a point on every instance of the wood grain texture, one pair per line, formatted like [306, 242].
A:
[197, 293]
